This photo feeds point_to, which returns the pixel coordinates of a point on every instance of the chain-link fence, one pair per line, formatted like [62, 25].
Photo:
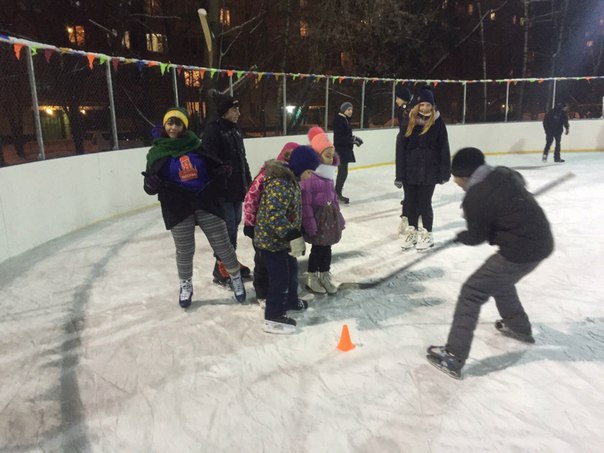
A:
[61, 102]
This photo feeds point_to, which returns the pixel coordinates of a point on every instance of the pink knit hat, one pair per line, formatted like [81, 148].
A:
[289, 146]
[318, 139]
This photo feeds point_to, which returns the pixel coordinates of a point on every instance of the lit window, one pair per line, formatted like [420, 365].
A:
[155, 42]
[492, 15]
[225, 16]
[470, 9]
[192, 79]
[76, 35]
[303, 29]
[126, 40]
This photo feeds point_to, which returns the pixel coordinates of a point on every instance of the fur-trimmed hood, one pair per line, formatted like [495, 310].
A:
[278, 169]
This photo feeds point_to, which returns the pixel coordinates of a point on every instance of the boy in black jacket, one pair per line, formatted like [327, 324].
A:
[500, 210]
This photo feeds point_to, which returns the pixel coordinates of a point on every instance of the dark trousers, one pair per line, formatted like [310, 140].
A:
[341, 178]
[549, 138]
[496, 278]
[418, 202]
[282, 282]
[232, 217]
[260, 275]
[319, 259]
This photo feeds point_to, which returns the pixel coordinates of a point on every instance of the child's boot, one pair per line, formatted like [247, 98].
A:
[424, 239]
[408, 238]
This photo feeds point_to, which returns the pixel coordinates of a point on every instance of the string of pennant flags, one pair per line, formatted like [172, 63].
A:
[115, 61]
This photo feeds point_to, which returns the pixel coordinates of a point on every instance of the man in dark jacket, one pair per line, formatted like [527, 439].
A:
[343, 140]
[223, 139]
[500, 210]
[554, 122]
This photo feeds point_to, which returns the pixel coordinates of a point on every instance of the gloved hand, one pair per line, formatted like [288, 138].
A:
[567, 131]
[297, 247]
[357, 140]
[398, 183]
[152, 183]
[223, 171]
[248, 231]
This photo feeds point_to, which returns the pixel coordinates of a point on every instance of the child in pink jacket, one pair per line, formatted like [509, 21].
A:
[250, 210]
[321, 217]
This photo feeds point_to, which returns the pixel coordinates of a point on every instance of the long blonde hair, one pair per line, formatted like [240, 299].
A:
[413, 121]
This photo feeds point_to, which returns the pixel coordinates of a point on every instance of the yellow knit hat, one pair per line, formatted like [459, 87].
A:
[177, 112]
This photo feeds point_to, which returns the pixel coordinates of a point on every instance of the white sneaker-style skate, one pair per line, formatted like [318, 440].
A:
[237, 287]
[326, 280]
[403, 225]
[313, 283]
[408, 238]
[424, 239]
[186, 293]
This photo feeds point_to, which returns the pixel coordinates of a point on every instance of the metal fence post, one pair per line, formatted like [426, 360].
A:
[116, 145]
[363, 103]
[463, 113]
[326, 100]
[507, 101]
[285, 105]
[175, 86]
[231, 85]
[34, 101]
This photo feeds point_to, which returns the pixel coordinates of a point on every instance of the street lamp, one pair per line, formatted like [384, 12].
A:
[203, 18]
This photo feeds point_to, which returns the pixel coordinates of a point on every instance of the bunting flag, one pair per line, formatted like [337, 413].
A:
[103, 59]
[212, 72]
[259, 76]
[115, 62]
[230, 73]
[17, 49]
[91, 58]
[140, 65]
[151, 63]
[240, 74]
[163, 67]
[202, 73]
[340, 79]
[48, 53]
[179, 70]
[34, 50]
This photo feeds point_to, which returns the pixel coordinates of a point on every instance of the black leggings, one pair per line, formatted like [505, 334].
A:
[319, 259]
[418, 202]
[341, 178]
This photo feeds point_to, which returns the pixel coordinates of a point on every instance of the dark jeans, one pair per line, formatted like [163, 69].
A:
[319, 259]
[418, 202]
[549, 138]
[282, 282]
[260, 275]
[496, 278]
[341, 178]
[232, 217]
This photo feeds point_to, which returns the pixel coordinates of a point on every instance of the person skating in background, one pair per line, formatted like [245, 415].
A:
[422, 161]
[402, 99]
[278, 237]
[498, 209]
[344, 141]
[321, 217]
[223, 139]
[179, 172]
[554, 122]
[250, 210]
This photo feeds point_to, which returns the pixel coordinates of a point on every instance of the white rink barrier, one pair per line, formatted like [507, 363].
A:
[41, 201]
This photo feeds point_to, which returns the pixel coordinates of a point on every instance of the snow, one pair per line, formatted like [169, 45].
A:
[97, 355]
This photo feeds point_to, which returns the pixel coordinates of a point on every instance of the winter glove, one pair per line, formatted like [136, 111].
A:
[248, 230]
[152, 183]
[223, 171]
[398, 183]
[297, 247]
[357, 140]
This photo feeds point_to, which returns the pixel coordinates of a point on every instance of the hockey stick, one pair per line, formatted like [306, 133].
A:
[439, 248]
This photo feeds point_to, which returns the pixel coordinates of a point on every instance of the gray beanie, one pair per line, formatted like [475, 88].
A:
[345, 106]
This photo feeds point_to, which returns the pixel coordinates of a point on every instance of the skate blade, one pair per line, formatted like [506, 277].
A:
[278, 328]
[435, 362]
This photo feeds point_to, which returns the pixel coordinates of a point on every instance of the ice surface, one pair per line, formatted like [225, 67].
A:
[96, 354]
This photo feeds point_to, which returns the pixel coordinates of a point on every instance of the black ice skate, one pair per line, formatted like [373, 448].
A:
[220, 274]
[524, 337]
[446, 362]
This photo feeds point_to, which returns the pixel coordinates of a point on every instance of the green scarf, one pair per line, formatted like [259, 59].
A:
[172, 147]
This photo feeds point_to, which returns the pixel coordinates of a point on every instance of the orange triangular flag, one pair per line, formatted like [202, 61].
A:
[17, 48]
[91, 58]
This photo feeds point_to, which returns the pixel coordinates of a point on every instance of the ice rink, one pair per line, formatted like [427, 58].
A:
[96, 354]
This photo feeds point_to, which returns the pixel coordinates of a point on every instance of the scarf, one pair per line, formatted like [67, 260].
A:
[172, 147]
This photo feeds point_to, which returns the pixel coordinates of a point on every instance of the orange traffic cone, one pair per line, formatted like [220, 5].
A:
[345, 343]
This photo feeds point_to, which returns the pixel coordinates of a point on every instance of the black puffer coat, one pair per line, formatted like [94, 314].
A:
[500, 210]
[343, 139]
[424, 159]
[222, 140]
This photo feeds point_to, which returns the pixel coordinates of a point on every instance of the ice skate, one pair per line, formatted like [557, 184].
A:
[220, 274]
[424, 240]
[544, 158]
[300, 305]
[261, 303]
[186, 293]
[280, 325]
[505, 330]
[237, 286]
[442, 359]
[326, 280]
[313, 283]
[408, 238]
[403, 225]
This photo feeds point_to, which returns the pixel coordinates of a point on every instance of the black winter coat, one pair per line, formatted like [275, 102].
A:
[555, 121]
[223, 140]
[500, 210]
[424, 159]
[343, 138]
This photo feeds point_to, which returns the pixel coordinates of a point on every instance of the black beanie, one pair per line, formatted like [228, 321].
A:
[466, 161]
[224, 102]
[402, 93]
[424, 95]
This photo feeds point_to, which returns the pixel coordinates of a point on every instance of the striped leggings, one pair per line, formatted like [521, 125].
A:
[215, 230]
